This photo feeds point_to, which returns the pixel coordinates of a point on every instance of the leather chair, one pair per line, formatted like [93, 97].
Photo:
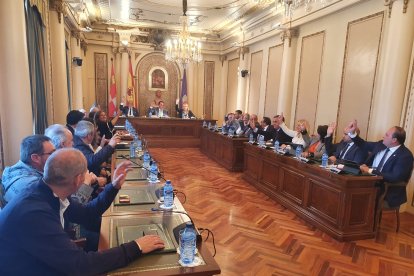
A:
[383, 205]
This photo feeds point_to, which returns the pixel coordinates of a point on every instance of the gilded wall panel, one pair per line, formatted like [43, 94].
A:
[232, 85]
[274, 67]
[309, 78]
[255, 75]
[359, 71]
[208, 88]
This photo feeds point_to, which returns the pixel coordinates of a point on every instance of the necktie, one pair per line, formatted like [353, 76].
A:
[342, 155]
[130, 112]
[382, 162]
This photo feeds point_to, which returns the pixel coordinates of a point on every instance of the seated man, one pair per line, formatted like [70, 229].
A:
[238, 115]
[278, 133]
[389, 158]
[84, 135]
[31, 227]
[231, 123]
[185, 112]
[253, 123]
[34, 151]
[344, 150]
[130, 110]
[60, 136]
[72, 119]
[158, 112]
[266, 129]
[244, 124]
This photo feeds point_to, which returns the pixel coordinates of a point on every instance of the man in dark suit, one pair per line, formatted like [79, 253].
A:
[32, 227]
[389, 158]
[253, 124]
[278, 133]
[159, 111]
[130, 111]
[344, 150]
[266, 129]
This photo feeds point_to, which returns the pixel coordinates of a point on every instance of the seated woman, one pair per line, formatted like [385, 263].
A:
[185, 112]
[299, 136]
[104, 126]
[317, 145]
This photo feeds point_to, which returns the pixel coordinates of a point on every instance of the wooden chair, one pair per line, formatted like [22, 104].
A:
[382, 205]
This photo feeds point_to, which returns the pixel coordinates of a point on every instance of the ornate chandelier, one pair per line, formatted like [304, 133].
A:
[184, 49]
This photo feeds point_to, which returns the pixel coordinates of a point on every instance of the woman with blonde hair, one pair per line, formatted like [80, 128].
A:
[300, 135]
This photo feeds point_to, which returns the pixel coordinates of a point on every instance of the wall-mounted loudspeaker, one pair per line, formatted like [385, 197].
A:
[244, 73]
[77, 61]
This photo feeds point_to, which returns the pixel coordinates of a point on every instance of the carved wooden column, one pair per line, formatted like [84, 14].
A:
[15, 99]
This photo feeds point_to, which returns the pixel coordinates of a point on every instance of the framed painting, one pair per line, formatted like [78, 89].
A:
[157, 79]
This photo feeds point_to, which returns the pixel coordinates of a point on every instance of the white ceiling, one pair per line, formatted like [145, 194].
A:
[206, 16]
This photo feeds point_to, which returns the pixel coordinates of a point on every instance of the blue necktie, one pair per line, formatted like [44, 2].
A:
[382, 162]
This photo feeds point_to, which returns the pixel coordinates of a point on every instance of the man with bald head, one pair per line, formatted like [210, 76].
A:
[389, 158]
[31, 228]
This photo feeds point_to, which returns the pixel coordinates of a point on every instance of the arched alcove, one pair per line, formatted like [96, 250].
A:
[154, 65]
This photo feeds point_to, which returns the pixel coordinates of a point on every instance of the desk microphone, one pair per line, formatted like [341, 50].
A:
[141, 167]
[177, 229]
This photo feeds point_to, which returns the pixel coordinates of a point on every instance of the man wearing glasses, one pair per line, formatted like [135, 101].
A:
[34, 151]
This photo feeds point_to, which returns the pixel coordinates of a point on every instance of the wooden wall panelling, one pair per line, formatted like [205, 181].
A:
[101, 80]
[208, 89]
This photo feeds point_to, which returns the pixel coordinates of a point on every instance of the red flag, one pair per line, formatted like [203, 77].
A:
[131, 95]
[112, 94]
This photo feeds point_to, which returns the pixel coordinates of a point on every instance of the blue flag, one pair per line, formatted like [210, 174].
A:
[183, 90]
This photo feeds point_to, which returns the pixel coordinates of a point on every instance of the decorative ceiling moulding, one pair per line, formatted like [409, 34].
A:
[59, 7]
[288, 34]
[389, 3]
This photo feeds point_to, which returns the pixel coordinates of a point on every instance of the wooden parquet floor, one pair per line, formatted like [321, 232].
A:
[257, 236]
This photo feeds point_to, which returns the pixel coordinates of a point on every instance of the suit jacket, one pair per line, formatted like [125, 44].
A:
[94, 159]
[281, 136]
[154, 112]
[355, 153]
[249, 130]
[33, 241]
[397, 168]
[268, 133]
[125, 111]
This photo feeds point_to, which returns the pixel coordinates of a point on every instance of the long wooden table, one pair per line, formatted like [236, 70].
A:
[121, 215]
[168, 132]
[225, 150]
[341, 205]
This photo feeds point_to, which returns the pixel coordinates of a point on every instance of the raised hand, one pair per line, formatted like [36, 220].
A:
[351, 127]
[120, 173]
[331, 129]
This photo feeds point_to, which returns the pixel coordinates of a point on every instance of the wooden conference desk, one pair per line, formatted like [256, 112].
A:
[141, 214]
[226, 151]
[168, 132]
[341, 205]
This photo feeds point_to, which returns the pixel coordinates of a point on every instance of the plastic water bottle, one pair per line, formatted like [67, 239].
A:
[146, 159]
[204, 124]
[261, 140]
[324, 160]
[139, 145]
[153, 172]
[298, 152]
[231, 132]
[209, 125]
[251, 139]
[187, 244]
[168, 195]
[132, 150]
[276, 145]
